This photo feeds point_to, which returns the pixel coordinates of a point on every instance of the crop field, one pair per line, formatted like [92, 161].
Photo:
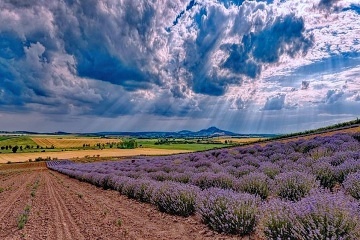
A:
[56, 143]
[71, 142]
[16, 140]
[234, 140]
[24, 157]
[301, 189]
[179, 145]
[36, 203]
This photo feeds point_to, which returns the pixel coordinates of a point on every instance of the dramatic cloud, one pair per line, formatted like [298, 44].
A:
[183, 59]
[275, 102]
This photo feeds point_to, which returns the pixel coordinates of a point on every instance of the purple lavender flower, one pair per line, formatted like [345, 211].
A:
[278, 220]
[228, 211]
[294, 185]
[325, 173]
[270, 169]
[326, 215]
[208, 179]
[255, 183]
[175, 198]
[352, 184]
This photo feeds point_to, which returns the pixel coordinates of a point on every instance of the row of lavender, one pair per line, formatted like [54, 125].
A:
[297, 190]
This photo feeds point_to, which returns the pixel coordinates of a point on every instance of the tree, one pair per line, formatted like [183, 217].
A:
[15, 148]
[128, 144]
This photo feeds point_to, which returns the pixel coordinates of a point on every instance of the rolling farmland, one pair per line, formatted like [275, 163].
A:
[71, 142]
[311, 186]
[259, 188]
[53, 206]
[24, 157]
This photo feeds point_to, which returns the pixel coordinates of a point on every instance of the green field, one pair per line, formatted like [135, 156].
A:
[2, 138]
[16, 140]
[151, 143]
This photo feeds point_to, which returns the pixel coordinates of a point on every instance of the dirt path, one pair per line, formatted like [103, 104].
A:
[65, 208]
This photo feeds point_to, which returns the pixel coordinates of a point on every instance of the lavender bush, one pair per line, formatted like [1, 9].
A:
[352, 184]
[281, 173]
[208, 179]
[270, 169]
[325, 173]
[141, 190]
[347, 167]
[320, 216]
[255, 183]
[175, 198]
[241, 170]
[294, 185]
[326, 216]
[279, 220]
[228, 211]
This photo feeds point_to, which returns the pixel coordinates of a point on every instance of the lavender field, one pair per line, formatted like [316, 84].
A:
[308, 189]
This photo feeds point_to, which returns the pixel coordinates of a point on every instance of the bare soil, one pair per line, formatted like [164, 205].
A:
[65, 208]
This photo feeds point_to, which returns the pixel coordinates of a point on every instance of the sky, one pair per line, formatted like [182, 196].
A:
[261, 66]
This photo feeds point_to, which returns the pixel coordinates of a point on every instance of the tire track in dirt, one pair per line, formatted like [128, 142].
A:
[118, 207]
[14, 195]
[66, 227]
[89, 215]
[56, 204]
[139, 220]
[13, 204]
[65, 208]
[9, 175]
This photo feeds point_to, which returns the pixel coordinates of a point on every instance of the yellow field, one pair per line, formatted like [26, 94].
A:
[23, 157]
[71, 142]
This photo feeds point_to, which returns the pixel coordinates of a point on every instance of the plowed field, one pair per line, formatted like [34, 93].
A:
[65, 208]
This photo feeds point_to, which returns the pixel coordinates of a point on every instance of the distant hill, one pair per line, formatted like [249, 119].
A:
[212, 132]
[32, 133]
[204, 133]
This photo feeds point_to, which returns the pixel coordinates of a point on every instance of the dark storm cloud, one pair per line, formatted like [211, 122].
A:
[239, 60]
[99, 42]
[282, 35]
[49, 53]
[111, 58]
[53, 49]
